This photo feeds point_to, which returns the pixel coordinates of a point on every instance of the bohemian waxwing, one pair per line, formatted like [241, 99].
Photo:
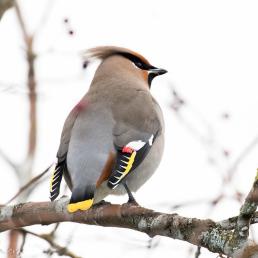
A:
[112, 140]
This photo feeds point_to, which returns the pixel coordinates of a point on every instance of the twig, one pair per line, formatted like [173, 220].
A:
[60, 250]
[25, 173]
[247, 212]
[4, 6]
[8, 161]
[198, 252]
[241, 157]
[52, 233]
[12, 247]
[27, 185]
[44, 17]
[24, 235]
[230, 223]
[21, 21]
[31, 84]
[178, 102]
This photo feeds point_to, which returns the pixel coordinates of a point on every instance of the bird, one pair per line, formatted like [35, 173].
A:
[113, 139]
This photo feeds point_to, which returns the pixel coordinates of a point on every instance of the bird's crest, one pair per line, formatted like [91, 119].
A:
[103, 52]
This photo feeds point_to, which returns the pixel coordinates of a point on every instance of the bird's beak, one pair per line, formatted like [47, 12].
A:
[157, 71]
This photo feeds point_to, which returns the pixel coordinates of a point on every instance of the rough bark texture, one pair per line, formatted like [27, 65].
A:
[205, 233]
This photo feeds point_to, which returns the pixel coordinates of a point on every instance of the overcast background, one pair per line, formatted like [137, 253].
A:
[210, 49]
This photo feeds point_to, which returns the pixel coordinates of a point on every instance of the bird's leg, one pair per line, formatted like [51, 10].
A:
[130, 195]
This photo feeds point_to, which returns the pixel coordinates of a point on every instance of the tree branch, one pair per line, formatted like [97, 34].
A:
[247, 212]
[200, 232]
[29, 184]
[32, 96]
[4, 6]
[8, 160]
[61, 250]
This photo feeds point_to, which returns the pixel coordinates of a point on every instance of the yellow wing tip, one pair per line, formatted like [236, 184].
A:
[130, 163]
[52, 171]
[84, 205]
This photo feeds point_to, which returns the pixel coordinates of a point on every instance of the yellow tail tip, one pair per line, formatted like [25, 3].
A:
[84, 205]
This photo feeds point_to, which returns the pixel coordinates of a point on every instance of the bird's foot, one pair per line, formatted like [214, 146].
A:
[133, 202]
[131, 199]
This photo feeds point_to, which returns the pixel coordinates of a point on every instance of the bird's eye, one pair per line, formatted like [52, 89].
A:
[139, 64]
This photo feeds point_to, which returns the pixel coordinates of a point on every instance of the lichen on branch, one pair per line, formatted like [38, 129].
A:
[200, 232]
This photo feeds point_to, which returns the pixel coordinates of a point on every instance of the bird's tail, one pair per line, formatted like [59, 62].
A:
[56, 178]
[82, 198]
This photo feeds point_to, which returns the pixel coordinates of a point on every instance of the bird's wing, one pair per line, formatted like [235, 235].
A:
[66, 134]
[56, 179]
[61, 166]
[137, 126]
[130, 154]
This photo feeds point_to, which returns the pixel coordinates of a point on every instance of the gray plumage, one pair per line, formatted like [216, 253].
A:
[117, 109]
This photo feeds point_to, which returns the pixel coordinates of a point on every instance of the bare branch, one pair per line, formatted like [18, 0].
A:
[8, 161]
[198, 252]
[247, 212]
[4, 6]
[21, 21]
[26, 172]
[24, 235]
[203, 233]
[241, 157]
[44, 16]
[52, 233]
[27, 185]
[230, 223]
[238, 242]
[31, 84]
[13, 241]
[61, 250]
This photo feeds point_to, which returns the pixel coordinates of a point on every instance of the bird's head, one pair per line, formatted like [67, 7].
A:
[148, 71]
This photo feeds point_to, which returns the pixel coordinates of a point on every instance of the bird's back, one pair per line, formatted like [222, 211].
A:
[90, 144]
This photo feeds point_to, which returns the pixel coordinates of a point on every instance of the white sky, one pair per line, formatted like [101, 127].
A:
[210, 50]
